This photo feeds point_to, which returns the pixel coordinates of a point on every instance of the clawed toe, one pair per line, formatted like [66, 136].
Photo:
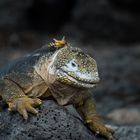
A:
[101, 129]
[31, 109]
[37, 101]
[24, 105]
[12, 106]
[23, 112]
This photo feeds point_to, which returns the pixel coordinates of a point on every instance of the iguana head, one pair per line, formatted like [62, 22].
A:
[74, 67]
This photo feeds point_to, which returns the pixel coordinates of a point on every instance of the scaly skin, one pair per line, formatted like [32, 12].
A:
[61, 71]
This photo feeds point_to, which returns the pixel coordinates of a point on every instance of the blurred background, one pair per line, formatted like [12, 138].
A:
[107, 29]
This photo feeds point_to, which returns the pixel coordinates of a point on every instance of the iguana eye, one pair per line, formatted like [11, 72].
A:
[72, 65]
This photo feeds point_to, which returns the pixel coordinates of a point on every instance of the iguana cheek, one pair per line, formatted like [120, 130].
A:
[51, 78]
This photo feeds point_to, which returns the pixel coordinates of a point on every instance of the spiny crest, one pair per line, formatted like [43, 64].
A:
[58, 43]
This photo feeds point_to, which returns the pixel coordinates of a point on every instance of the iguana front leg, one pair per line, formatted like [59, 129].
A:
[17, 100]
[85, 105]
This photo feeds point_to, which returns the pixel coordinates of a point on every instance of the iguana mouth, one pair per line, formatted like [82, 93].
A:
[75, 80]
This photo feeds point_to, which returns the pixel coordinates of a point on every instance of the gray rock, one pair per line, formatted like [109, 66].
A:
[119, 73]
[53, 122]
[128, 133]
[122, 115]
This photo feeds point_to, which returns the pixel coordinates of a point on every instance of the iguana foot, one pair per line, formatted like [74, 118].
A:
[24, 105]
[101, 129]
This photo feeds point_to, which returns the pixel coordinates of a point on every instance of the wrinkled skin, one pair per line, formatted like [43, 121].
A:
[65, 73]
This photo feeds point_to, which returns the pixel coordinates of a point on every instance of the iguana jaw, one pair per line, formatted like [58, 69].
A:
[66, 78]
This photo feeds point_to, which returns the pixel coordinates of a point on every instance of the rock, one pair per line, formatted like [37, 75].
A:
[119, 73]
[128, 133]
[125, 116]
[53, 122]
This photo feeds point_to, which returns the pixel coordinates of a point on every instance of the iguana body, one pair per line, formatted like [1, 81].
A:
[61, 71]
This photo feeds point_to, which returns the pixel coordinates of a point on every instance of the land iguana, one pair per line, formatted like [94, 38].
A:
[64, 72]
